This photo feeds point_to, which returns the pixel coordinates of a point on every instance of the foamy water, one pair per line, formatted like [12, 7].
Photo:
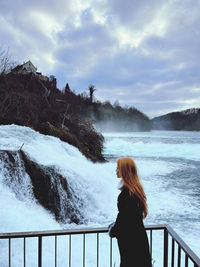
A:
[168, 164]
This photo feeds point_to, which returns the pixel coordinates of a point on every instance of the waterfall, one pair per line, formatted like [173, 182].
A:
[56, 176]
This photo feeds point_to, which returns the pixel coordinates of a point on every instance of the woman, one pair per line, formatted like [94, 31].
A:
[128, 227]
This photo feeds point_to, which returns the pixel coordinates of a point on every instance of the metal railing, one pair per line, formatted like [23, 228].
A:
[175, 251]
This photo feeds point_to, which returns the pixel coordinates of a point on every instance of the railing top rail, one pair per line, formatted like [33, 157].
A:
[53, 232]
[156, 227]
[69, 231]
[183, 245]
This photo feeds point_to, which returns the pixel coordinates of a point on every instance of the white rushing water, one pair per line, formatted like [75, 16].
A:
[168, 164]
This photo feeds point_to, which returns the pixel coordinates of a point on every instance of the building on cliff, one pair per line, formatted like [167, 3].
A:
[28, 68]
[25, 68]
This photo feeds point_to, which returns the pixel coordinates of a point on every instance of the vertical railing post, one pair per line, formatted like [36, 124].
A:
[97, 249]
[39, 251]
[110, 251]
[179, 256]
[55, 250]
[9, 253]
[83, 250]
[70, 243]
[151, 243]
[24, 252]
[172, 253]
[165, 256]
[186, 260]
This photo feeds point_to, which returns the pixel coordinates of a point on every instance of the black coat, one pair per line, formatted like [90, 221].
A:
[130, 232]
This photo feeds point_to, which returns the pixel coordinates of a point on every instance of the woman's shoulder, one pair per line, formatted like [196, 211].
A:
[125, 194]
[124, 191]
[127, 202]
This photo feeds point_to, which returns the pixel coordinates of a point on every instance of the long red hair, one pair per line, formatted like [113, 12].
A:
[128, 172]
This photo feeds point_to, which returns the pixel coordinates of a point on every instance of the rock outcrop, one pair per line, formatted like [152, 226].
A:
[28, 179]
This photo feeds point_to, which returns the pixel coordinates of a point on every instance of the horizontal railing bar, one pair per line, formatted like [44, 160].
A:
[68, 232]
[183, 245]
[156, 227]
[53, 233]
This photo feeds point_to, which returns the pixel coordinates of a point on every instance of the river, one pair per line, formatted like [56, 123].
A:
[169, 168]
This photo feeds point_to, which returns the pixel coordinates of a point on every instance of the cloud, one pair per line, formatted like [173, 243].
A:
[143, 53]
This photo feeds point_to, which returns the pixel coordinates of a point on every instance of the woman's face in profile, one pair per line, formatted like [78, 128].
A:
[118, 172]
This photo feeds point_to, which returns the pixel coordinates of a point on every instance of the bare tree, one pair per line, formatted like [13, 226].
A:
[91, 89]
[6, 63]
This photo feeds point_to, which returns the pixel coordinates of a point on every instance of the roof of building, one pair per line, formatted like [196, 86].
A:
[19, 67]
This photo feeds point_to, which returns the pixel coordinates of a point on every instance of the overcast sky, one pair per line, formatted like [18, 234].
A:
[143, 53]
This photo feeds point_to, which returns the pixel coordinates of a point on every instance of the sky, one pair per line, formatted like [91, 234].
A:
[143, 53]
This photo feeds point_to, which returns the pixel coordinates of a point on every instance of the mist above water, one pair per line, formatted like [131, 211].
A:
[116, 126]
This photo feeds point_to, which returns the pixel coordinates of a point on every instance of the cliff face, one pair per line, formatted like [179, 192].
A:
[29, 101]
[188, 120]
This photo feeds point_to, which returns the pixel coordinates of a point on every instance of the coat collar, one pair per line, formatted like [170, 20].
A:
[120, 185]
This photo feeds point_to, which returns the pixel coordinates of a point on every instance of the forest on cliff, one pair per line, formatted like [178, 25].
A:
[35, 101]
